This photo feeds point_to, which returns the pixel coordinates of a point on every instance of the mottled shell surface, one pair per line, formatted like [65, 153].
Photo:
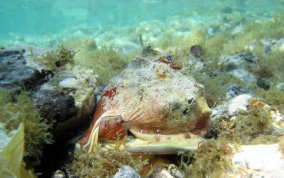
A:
[152, 98]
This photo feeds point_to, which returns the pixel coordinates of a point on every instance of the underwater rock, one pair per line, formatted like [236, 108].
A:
[235, 90]
[15, 74]
[126, 172]
[194, 65]
[242, 104]
[259, 161]
[241, 60]
[170, 171]
[63, 94]
[243, 75]
[268, 44]
[237, 65]
[280, 86]
[273, 44]
[156, 102]
[230, 108]
[59, 94]
[263, 83]
[54, 105]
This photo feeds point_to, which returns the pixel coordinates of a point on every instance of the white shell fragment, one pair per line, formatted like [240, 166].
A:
[71, 83]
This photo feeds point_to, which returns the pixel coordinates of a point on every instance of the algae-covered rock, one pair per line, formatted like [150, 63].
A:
[237, 66]
[52, 106]
[247, 120]
[14, 73]
[61, 90]
[37, 133]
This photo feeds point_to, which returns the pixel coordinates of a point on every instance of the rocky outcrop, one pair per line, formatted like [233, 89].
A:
[64, 95]
[59, 95]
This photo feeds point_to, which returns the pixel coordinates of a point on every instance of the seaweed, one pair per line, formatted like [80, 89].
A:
[213, 79]
[107, 63]
[105, 162]
[87, 43]
[273, 96]
[213, 158]
[254, 126]
[56, 59]
[22, 110]
[215, 86]
[11, 154]
[270, 71]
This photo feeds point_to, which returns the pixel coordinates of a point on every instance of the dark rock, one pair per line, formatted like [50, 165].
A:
[55, 105]
[238, 66]
[15, 74]
[262, 83]
[235, 90]
[248, 57]
[241, 60]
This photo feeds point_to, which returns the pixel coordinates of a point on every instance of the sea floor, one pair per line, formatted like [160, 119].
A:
[234, 49]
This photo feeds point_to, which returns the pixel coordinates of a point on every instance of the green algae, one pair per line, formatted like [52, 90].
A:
[213, 158]
[273, 96]
[224, 41]
[270, 71]
[20, 109]
[105, 62]
[270, 63]
[105, 162]
[254, 126]
[56, 59]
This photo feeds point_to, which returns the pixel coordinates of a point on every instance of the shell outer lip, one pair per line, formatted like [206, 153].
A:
[160, 150]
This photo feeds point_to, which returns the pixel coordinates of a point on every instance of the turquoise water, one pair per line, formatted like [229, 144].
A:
[47, 17]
